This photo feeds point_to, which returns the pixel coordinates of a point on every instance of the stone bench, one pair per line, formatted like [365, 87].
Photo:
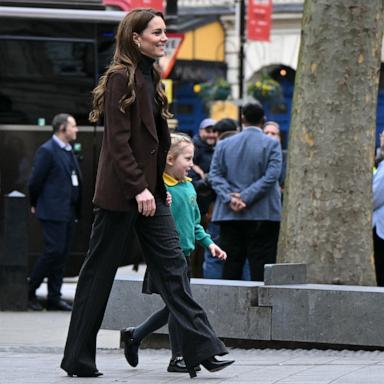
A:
[231, 307]
[282, 309]
[331, 314]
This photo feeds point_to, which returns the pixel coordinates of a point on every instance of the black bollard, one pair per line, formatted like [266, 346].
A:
[13, 254]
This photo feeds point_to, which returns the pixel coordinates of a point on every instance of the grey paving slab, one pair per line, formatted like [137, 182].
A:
[365, 375]
[31, 346]
[26, 365]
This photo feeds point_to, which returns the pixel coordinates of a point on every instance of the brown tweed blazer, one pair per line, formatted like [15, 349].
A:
[133, 152]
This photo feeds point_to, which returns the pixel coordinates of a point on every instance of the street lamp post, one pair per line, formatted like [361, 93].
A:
[241, 55]
[171, 15]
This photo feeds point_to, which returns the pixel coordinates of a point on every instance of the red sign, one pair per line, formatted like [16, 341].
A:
[127, 5]
[259, 20]
[122, 4]
[168, 60]
[155, 4]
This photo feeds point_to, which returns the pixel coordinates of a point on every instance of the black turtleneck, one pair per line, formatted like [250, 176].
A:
[146, 67]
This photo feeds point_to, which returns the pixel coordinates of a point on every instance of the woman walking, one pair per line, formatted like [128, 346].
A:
[130, 195]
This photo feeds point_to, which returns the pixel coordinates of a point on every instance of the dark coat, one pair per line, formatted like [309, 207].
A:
[203, 153]
[133, 152]
[202, 157]
[50, 184]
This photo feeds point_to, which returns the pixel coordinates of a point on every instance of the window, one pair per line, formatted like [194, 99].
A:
[40, 78]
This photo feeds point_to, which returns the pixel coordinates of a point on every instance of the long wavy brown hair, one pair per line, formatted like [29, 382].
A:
[127, 57]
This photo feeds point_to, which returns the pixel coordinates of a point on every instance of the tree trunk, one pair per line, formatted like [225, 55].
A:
[328, 199]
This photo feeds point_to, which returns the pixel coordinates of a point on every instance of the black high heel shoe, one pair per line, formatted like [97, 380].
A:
[214, 365]
[211, 365]
[85, 374]
[131, 346]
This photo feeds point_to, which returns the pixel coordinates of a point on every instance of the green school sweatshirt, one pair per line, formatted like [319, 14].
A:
[186, 213]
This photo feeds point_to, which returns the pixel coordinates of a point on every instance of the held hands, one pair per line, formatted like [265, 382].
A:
[236, 203]
[216, 251]
[169, 199]
[146, 203]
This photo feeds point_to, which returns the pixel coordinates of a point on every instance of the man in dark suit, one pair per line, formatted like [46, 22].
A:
[55, 196]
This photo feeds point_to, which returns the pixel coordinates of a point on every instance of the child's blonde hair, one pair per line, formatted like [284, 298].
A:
[178, 142]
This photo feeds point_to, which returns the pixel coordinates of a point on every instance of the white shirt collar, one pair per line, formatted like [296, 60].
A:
[66, 146]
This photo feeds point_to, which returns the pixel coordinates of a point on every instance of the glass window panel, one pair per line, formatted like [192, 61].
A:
[39, 78]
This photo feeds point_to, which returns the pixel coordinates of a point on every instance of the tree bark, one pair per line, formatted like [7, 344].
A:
[328, 199]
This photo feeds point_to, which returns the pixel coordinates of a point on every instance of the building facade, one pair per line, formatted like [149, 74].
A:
[278, 58]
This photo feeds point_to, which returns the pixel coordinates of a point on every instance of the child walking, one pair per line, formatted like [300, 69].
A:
[185, 211]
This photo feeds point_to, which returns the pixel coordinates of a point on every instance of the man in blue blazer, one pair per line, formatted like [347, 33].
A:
[55, 197]
[244, 173]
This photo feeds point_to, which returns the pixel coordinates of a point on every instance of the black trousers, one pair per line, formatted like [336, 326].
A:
[57, 237]
[255, 240]
[378, 251]
[110, 240]
[158, 320]
[155, 322]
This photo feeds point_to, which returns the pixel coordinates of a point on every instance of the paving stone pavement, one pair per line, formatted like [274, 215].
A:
[40, 365]
[31, 346]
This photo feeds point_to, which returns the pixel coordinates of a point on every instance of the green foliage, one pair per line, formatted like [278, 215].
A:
[265, 89]
[219, 89]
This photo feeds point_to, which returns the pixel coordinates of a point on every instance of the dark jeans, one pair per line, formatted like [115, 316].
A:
[378, 251]
[255, 240]
[57, 240]
[110, 240]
